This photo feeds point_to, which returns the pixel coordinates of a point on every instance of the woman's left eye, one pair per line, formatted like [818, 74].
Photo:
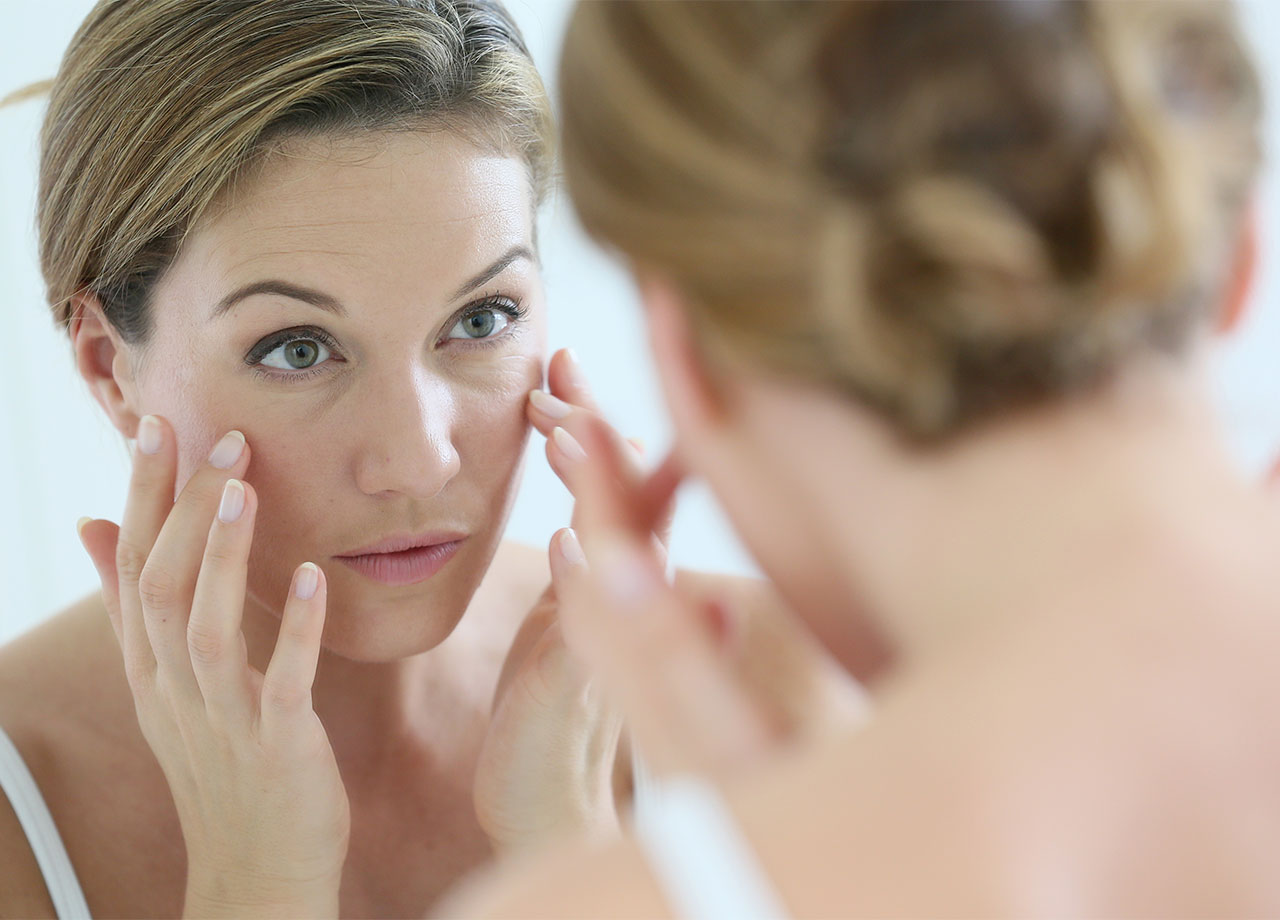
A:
[481, 324]
[296, 354]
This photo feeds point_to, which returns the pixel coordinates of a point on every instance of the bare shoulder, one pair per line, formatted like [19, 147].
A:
[574, 880]
[42, 697]
[22, 889]
[67, 667]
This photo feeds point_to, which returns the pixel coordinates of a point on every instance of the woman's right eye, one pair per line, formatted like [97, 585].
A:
[296, 354]
[293, 354]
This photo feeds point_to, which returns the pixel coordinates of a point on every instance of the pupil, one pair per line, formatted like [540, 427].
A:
[302, 354]
[480, 325]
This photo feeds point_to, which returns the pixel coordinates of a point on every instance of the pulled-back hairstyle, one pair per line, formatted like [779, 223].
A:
[943, 209]
[160, 104]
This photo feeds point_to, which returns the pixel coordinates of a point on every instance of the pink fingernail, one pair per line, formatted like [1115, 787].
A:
[571, 549]
[550, 405]
[227, 451]
[232, 504]
[149, 434]
[307, 581]
[576, 375]
[568, 445]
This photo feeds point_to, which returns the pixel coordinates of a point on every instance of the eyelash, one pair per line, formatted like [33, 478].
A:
[513, 308]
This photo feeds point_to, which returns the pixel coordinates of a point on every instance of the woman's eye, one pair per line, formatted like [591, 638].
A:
[296, 354]
[481, 324]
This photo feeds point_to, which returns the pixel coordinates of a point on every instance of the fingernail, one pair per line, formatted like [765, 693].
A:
[232, 501]
[228, 450]
[571, 549]
[576, 375]
[624, 575]
[149, 434]
[568, 445]
[80, 526]
[550, 405]
[304, 586]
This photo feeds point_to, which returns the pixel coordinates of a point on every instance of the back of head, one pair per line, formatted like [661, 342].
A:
[161, 105]
[943, 209]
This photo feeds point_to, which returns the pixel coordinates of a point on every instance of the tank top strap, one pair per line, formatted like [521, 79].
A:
[17, 783]
[699, 855]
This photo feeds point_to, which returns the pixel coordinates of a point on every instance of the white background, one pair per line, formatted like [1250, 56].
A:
[59, 458]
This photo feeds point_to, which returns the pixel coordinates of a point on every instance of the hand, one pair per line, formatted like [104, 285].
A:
[693, 702]
[264, 814]
[548, 762]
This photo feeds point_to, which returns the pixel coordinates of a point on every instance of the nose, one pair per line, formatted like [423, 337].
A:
[407, 444]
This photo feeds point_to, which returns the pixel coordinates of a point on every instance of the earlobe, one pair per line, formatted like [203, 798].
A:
[1240, 280]
[102, 362]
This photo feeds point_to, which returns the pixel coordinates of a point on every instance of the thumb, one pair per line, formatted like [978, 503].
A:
[98, 537]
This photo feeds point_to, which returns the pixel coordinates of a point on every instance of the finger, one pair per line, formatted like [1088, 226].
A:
[167, 585]
[684, 705]
[286, 687]
[568, 381]
[566, 557]
[607, 496]
[99, 540]
[149, 500]
[214, 640]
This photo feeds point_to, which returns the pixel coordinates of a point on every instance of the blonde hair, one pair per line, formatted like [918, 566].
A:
[160, 104]
[944, 209]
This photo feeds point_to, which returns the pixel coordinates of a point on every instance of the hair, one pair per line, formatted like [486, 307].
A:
[942, 209]
[159, 106]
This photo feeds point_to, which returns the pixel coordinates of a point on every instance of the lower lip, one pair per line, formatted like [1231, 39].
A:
[403, 568]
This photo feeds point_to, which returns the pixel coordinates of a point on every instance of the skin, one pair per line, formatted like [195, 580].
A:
[1075, 719]
[414, 430]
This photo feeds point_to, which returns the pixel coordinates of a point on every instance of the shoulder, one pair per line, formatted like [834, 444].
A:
[40, 699]
[22, 888]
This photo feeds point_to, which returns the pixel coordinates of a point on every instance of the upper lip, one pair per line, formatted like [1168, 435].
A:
[401, 541]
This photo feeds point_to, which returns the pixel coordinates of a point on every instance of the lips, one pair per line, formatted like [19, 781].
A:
[404, 559]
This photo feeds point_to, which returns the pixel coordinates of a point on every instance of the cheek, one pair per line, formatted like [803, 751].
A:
[492, 429]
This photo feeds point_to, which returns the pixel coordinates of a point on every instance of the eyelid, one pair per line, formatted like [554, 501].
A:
[273, 341]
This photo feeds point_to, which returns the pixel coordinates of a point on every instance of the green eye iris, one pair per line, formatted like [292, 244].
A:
[479, 325]
[301, 354]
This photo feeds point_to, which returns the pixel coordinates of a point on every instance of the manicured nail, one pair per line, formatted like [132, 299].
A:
[149, 434]
[577, 376]
[232, 501]
[80, 525]
[624, 575]
[571, 549]
[550, 405]
[568, 445]
[228, 450]
[304, 586]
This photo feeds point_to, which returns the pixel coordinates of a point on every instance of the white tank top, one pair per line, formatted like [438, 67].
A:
[697, 853]
[18, 785]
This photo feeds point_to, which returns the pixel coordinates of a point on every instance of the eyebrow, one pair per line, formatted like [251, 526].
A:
[333, 305]
[285, 289]
[503, 262]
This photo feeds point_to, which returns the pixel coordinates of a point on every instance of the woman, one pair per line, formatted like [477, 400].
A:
[929, 287]
[293, 247]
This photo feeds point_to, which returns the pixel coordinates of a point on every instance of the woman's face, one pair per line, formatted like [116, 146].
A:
[370, 314]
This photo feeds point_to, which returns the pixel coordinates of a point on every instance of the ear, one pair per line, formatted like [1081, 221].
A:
[1239, 284]
[693, 401]
[103, 363]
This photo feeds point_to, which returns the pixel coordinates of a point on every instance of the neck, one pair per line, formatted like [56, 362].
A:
[1059, 510]
[377, 715]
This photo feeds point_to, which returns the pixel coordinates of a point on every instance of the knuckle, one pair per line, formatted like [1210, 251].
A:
[157, 588]
[206, 644]
[285, 697]
[130, 561]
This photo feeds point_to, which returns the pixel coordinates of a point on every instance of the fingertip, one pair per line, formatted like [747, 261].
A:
[306, 581]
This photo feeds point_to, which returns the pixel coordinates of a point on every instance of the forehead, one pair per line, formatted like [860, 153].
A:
[408, 209]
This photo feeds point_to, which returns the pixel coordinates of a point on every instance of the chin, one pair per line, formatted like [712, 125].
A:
[386, 632]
